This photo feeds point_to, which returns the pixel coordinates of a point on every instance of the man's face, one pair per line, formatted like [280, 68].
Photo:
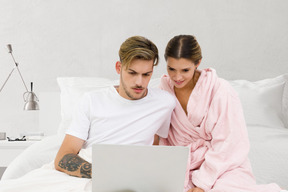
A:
[134, 80]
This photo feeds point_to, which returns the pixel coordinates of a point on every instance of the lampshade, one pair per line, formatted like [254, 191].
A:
[30, 101]
[31, 105]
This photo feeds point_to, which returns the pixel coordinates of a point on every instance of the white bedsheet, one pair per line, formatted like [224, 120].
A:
[47, 178]
[268, 156]
[33, 157]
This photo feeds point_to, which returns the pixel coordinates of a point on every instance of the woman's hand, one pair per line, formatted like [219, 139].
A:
[196, 189]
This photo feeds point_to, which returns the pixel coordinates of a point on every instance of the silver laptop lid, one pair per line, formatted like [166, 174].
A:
[131, 168]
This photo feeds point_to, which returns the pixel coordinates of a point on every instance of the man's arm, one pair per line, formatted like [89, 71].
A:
[68, 161]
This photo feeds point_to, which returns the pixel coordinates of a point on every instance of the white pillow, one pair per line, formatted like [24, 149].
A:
[72, 89]
[264, 102]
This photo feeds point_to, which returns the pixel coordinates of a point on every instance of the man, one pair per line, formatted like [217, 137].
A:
[126, 114]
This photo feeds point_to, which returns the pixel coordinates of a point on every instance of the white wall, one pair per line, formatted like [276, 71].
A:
[240, 39]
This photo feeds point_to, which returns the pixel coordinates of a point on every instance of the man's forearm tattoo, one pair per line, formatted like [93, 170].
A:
[72, 162]
[86, 170]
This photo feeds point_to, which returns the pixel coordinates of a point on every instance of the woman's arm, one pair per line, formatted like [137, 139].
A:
[68, 161]
[196, 189]
[156, 140]
[229, 145]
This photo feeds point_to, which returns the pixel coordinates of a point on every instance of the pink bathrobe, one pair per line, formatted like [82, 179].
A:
[215, 131]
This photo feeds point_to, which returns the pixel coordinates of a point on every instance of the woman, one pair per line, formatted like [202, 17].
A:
[208, 118]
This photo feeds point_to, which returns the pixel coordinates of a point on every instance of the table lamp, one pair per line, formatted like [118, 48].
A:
[30, 97]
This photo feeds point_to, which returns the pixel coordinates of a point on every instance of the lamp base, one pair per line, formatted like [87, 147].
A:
[2, 136]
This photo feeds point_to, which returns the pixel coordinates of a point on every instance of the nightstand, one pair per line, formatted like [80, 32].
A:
[9, 150]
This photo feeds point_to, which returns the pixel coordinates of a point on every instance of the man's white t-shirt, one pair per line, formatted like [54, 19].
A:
[104, 117]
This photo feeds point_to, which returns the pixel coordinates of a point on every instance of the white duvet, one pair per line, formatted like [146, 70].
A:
[47, 179]
[268, 155]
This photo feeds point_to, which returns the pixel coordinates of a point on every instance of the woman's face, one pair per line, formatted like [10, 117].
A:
[181, 71]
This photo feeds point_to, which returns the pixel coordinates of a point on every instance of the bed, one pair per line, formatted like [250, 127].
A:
[265, 106]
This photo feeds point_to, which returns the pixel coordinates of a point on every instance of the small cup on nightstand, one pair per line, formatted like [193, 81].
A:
[2, 136]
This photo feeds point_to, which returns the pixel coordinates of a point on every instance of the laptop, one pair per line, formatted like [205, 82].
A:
[134, 168]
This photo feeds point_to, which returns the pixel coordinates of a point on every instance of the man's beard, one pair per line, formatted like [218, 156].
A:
[129, 93]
